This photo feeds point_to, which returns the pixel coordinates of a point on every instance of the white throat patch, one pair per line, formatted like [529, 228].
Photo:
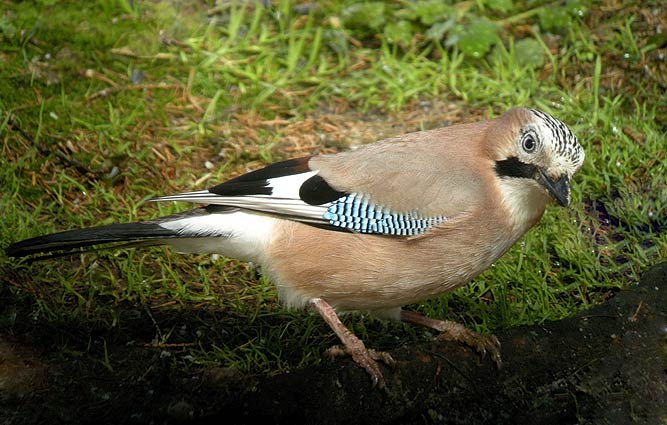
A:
[525, 201]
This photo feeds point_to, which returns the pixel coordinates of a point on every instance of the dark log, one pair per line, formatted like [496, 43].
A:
[604, 365]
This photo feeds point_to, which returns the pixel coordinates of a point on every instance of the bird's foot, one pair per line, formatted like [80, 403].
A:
[364, 357]
[452, 331]
[352, 345]
[482, 343]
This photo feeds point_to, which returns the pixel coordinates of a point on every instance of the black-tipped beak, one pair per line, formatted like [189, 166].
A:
[558, 189]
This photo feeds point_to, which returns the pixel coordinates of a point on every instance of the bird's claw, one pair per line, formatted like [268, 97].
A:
[483, 344]
[366, 358]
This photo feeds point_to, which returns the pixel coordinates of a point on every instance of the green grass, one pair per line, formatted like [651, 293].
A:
[120, 104]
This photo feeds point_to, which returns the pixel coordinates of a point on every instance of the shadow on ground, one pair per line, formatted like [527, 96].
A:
[605, 365]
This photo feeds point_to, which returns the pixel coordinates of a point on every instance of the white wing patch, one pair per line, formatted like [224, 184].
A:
[288, 186]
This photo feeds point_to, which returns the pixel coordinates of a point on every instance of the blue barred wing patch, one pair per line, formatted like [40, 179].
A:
[355, 212]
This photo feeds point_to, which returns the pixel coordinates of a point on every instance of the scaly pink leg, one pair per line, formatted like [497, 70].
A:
[452, 331]
[352, 345]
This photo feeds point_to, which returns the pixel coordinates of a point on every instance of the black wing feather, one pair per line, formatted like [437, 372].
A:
[257, 182]
[316, 191]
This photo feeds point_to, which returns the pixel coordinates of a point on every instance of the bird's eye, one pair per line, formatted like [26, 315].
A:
[529, 143]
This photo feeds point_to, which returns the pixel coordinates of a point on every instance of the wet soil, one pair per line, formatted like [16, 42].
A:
[606, 365]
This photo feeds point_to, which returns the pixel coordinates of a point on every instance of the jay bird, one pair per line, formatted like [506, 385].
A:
[391, 223]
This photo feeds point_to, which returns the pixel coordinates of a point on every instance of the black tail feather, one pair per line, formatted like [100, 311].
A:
[72, 241]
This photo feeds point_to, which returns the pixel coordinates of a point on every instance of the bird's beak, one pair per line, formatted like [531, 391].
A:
[558, 189]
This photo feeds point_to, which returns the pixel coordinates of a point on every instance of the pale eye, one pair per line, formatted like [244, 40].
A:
[529, 143]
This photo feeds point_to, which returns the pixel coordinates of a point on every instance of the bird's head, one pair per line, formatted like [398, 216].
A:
[539, 149]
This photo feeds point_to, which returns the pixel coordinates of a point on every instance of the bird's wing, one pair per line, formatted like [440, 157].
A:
[384, 188]
[274, 189]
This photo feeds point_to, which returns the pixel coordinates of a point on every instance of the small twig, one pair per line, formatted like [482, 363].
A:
[169, 345]
[453, 366]
[148, 311]
[89, 73]
[111, 90]
[633, 318]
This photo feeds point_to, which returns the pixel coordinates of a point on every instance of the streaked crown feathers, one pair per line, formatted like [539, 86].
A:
[565, 149]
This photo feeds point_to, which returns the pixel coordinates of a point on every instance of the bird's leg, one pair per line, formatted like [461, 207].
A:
[452, 331]
[352, 345]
